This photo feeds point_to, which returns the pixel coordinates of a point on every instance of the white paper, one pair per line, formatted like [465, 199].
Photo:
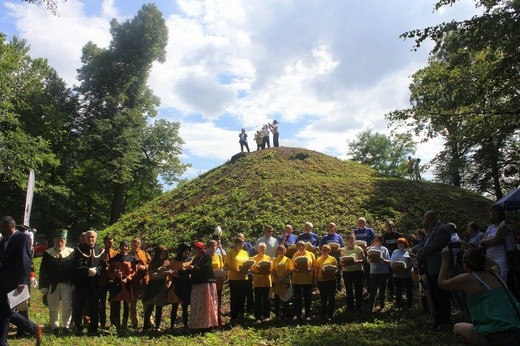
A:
[15, 297]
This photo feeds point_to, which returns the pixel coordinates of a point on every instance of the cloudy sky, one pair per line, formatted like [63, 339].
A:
[326, 70]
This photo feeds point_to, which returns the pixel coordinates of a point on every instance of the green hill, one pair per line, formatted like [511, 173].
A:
[293, 185]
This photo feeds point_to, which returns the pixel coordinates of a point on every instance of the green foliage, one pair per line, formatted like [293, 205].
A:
[386, 154]
[276, 187]
[468, 96]
[128, 154]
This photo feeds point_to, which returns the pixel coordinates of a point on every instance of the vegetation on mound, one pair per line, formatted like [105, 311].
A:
[292, 185]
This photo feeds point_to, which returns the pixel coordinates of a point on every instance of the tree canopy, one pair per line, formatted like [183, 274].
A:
[468, 95]
[96, 150]
[386, 154]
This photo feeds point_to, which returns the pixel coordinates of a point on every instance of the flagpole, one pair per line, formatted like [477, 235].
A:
[29, 199]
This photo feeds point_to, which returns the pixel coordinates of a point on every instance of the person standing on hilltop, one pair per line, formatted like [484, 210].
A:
[276, 135]
[243, 140]
[259, 140]
[409, 168]
[265, 137]
[417, 170]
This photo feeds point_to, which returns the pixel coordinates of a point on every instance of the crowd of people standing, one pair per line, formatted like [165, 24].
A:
[282, 271]
[262, 137]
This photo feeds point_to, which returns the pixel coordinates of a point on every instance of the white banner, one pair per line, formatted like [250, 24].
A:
[29, 199]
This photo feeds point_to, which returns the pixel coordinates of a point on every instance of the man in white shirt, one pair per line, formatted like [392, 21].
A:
[270, 242]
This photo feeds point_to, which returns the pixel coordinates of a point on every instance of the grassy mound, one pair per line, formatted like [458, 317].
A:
[292, 185]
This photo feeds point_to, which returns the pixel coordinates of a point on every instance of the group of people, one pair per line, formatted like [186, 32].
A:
[262, 137]
[284, 271]
[414, 169]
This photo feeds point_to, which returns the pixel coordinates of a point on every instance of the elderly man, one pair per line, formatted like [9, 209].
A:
[270, 242]
[15, 267]
[89, 263]
[430, 251]
[287, 238]
[56, 281]
[308, 236]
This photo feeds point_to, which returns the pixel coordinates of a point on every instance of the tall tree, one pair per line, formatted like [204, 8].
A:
[116, 102]
[468, 94]
[386, 154]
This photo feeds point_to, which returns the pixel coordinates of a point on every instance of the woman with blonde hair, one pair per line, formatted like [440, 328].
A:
[237, 278]
[262, 282]
[282, 270]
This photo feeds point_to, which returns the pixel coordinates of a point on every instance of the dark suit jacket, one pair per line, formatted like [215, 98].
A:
[438, 237]
[16, 262]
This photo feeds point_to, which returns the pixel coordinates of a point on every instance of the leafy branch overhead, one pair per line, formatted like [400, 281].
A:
[468, 96]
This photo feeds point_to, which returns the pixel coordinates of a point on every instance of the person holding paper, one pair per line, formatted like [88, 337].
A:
[15, 266]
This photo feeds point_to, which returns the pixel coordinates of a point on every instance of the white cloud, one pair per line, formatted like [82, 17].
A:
[327, 69]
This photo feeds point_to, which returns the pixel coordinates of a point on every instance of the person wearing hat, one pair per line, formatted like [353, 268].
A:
[56, 287]
[276, 135]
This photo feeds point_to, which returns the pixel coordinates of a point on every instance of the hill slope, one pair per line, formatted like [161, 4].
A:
[292, 185]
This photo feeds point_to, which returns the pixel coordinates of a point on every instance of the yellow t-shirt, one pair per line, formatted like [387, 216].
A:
[358, 253]
[216, 262]
[233, 261]
[281, 266]
[259, 280]
[304, 278]
[321, 263]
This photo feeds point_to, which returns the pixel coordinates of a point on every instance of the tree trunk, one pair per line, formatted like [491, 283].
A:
[116, 208]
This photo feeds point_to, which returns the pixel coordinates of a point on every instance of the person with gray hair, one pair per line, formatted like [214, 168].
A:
[89, 262]
[308, 236]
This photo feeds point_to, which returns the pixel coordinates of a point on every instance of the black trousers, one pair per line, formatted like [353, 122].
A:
[401, 285]
[86, 294]
[441, 301]
[237, 298]
[262, 306]
[302, 292]
[327, 297]
[115, 314]
[354, 287]
[377, 286]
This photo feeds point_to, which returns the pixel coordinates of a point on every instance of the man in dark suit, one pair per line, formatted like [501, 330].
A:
[438, 237]
[15, 267]
[89, 263]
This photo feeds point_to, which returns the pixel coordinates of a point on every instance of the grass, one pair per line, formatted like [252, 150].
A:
[393, 327]
[292, 185]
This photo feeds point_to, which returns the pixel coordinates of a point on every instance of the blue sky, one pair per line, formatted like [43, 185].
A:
[326, 70]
